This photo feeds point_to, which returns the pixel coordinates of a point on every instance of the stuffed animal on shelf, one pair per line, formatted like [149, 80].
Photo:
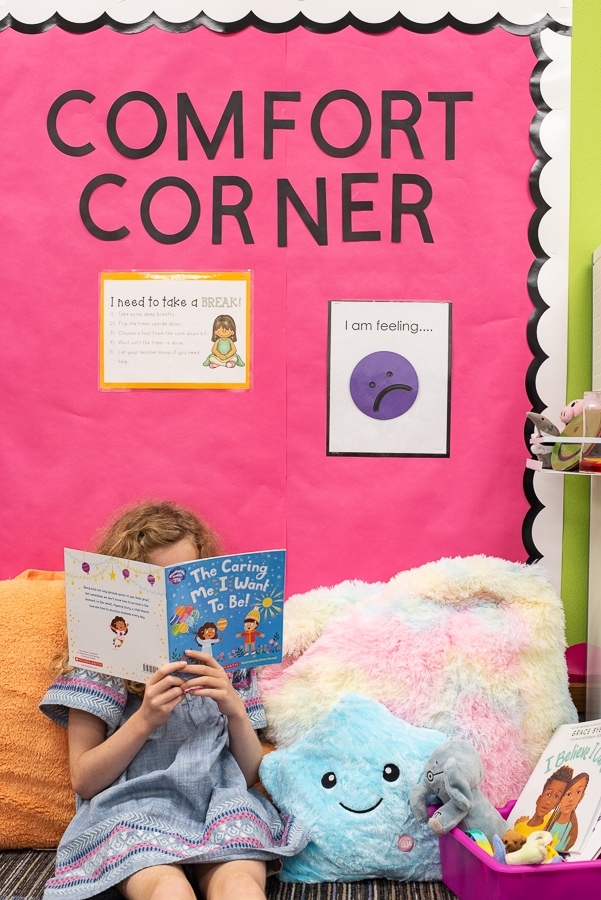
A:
[573, 409]
[453, 774]
[543, 427]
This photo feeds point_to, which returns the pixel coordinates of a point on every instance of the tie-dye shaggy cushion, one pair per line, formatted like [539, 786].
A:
[473, 647]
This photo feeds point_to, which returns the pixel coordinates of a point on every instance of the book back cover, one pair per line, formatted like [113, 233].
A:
[115, 615]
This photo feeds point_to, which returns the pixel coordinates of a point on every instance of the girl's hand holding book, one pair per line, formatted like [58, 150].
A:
[163, 692]
[212, 681]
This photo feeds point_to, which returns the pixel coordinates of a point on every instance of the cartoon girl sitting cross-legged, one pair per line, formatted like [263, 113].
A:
[224, 351]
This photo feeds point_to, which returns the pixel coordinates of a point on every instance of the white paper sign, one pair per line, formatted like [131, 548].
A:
[389, 378]
[175, 330]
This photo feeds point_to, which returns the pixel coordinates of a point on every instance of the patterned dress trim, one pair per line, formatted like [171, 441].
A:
[110, 696]
[139, 836]
[76, 689]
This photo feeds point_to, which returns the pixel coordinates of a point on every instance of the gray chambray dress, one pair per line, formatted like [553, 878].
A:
[182, 799]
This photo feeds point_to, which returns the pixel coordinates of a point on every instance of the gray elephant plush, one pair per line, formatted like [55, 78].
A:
[453, 774]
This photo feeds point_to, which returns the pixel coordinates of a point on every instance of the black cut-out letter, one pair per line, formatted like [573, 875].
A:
[349, 206]
[406, 124]
[401, 208]
[270, 123]
[116, 234]
[111, 125]
[52, 127]
[149, 225]
[318, 229]
[237, 210]
[321, 106]
[450, 98]
[232, 112]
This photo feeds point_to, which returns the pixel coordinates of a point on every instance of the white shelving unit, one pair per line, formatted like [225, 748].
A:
[593, 665]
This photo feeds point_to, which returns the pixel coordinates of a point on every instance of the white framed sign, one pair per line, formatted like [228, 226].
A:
[389, 378]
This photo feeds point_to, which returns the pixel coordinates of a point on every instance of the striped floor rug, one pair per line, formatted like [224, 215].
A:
[24, 872]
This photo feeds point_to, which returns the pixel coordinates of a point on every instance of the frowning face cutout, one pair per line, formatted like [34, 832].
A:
[384, 385]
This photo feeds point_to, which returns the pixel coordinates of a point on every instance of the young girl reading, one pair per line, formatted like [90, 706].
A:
[163, 772]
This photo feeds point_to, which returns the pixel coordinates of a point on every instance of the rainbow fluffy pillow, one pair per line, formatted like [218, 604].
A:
[471, 646]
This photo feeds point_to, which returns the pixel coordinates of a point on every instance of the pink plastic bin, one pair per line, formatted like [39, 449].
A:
[474, 875]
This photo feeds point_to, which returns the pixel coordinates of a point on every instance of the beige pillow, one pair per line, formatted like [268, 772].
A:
[36, 799]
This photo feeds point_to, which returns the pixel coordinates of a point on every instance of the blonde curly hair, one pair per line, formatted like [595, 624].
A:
[134, 534]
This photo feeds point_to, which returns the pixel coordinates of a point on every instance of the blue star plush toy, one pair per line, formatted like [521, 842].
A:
[347, 781]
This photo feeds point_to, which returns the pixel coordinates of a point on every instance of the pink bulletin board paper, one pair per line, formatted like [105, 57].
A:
[254, 462]
[383, 515]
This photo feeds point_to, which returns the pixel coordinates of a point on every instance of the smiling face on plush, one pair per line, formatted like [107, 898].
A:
[359, 792]
[347, 780]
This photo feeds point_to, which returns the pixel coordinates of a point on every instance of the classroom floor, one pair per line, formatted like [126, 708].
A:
[23, 874]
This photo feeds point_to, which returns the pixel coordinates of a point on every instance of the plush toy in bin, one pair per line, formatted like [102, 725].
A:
[536, 848]
[452, 774]
[347, 781]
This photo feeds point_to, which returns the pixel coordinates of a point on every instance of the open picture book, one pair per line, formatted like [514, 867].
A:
[563, 794]
[127, 618]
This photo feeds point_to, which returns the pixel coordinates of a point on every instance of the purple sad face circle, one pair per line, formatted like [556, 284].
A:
[384, 385]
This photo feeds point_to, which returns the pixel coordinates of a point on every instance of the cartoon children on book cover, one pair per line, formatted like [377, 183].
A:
[233, 604]
[562, 795]
[127, 618]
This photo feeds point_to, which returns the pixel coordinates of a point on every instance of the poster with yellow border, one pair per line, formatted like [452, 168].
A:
[175, 330]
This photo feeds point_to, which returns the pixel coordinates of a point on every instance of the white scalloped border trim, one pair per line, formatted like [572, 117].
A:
[554, 185]
[554, 137]
[519, 12]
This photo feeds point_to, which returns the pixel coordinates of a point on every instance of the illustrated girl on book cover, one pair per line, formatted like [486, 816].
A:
[206, 636]
[563, 824]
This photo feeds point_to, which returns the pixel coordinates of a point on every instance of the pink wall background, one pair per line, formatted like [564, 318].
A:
[254, 463]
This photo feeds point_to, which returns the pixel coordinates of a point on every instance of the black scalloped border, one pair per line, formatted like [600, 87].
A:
[251, 20]
[540, 306]
[533, 30]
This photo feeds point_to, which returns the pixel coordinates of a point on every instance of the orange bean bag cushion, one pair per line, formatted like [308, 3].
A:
[36, 798]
